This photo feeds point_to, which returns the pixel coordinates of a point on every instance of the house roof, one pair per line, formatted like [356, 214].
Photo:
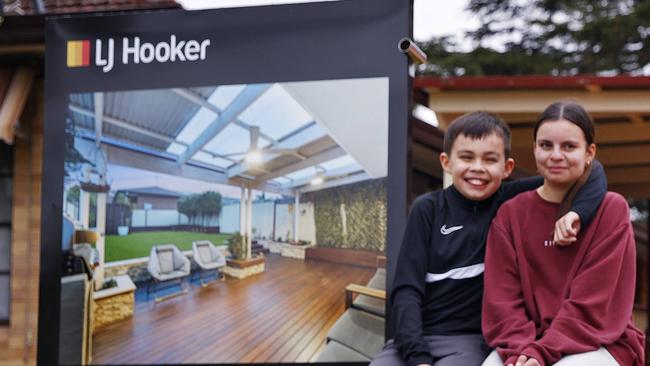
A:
[49, 7]
[153, 191]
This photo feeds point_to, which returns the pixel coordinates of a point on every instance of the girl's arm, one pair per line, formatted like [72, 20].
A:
[505, 324]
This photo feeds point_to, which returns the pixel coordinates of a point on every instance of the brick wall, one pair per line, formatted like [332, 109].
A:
[18, 339]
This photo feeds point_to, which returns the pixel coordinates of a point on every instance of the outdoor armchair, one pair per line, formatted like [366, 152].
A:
[167, 264]
[207, 257]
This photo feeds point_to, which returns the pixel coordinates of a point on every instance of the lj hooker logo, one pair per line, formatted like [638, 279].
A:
[134, 51]
[78, 53]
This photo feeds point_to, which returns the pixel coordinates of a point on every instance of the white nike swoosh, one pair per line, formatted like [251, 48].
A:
[444, 230]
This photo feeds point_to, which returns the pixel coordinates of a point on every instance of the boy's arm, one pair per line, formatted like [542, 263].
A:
[409, 285]
[590, 196]
[587, 199]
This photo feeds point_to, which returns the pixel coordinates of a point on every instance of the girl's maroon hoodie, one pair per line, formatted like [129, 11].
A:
[547, 301]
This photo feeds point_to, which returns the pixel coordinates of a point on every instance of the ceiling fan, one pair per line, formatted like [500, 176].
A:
[254, 154]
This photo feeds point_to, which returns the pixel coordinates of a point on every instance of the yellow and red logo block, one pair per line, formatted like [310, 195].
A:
[78, 53]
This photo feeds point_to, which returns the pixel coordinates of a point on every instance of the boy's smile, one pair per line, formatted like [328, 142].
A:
[477, 166]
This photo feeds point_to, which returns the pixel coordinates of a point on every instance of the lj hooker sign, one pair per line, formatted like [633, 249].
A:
[134, 50]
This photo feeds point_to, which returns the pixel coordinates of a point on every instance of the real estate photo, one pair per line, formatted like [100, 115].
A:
[229, 224]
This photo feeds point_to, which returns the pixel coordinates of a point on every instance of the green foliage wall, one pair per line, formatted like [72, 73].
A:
[352, 216]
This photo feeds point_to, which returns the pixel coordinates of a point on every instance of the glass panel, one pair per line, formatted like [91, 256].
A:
[5, 248]
[6, 189]
[303, 173]
[276, 112]
[4, 297]
[232, 139]
[338, 162]
[223, 95]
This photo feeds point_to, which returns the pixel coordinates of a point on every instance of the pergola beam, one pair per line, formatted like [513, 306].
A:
[99, 116]
[139, 160]
[623, 102]
[335, 183]
[330, 174]
[322, 157]
[613, 133]
[242, 101]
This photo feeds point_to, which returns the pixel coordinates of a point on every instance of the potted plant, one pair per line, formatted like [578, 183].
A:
[237, 246]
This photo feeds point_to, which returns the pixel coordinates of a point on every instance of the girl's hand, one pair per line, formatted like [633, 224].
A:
[523, 360]
[567, 228]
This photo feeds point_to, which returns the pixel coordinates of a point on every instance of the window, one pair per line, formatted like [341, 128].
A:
[6, 194]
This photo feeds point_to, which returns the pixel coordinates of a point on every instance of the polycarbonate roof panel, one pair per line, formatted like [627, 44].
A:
[276, 113]
[232, 139]
[303, 173]
[339, 162]
[161, 111]
[225, 94]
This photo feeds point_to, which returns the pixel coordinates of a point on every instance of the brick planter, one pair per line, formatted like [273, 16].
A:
[242, 268]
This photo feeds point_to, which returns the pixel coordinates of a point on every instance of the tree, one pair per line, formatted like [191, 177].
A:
[557, 37]
[204, 204]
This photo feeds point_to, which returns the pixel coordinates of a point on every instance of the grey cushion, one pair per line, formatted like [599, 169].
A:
[360, 331]
[370, 304]
[336, 352]
[378, 281]
[207, 256]
[166, 260]
[204, 253]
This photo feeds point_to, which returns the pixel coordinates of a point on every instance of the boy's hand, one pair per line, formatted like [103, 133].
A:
[566, 229]
[523, 360]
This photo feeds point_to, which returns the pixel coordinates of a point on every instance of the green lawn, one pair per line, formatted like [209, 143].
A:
[139, 244]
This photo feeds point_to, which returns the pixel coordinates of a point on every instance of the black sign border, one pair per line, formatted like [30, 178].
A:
[298, 42]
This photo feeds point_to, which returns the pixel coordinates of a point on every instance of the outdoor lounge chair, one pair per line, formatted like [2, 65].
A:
[167, 266]
[358, 335]
[208, 258]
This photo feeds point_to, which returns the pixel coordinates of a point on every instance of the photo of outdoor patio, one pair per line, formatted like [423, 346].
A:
[229, 224]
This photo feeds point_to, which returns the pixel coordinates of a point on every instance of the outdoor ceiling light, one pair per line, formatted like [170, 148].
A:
[320, 176]
[318, 180]
[254, 157]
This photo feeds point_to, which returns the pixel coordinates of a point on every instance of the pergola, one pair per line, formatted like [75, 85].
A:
[305, 136]
[620, 106]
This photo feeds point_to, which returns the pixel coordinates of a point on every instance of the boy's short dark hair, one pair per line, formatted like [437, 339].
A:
[477, 125]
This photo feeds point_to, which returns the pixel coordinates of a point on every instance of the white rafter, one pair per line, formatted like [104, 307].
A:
[99, 116]
[322, 157]
[242, 101]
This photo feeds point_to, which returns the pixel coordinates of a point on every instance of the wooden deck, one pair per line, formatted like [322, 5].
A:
[282, 315]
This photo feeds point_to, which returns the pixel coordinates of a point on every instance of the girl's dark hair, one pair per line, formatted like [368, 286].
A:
[577, 115]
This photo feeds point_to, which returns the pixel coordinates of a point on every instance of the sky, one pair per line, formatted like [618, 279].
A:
[431, 17]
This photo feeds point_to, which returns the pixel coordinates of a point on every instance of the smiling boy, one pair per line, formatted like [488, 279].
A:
[438, 286]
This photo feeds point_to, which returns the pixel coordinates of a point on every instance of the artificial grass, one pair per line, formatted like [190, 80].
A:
[138, 245]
